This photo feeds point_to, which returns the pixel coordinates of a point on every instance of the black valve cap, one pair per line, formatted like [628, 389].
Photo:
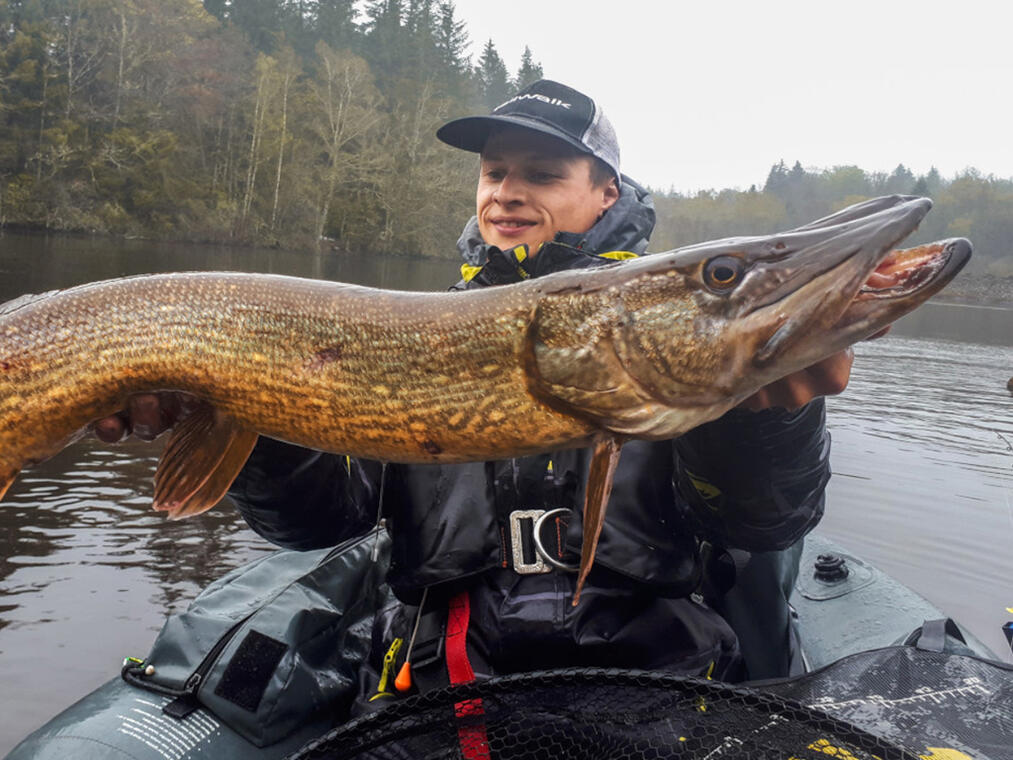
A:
[830, 568]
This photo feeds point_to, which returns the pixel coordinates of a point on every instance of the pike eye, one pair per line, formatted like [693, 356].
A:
[722, 273]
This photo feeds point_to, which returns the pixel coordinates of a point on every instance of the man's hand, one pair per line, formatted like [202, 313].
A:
[826, 378]
[147, 416]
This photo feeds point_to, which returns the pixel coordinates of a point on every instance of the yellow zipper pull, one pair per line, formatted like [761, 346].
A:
[388, 670]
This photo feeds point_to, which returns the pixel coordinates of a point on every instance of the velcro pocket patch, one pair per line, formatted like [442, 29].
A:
[250, 669]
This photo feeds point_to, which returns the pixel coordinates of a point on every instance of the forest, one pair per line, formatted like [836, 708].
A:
[301, 123]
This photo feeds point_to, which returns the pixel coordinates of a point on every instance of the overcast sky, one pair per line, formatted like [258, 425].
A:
[710, 94]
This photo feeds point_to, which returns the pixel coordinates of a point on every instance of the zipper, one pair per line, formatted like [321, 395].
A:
[197, 677]
[187, 701]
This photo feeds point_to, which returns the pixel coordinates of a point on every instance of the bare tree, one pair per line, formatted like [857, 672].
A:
[266, 68]
[288, 71]
[348, 110]
[84, 48]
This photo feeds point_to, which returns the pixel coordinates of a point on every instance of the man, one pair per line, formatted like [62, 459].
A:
[551, 197]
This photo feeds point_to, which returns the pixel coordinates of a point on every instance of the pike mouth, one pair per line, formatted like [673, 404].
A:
[906, 270]
[903, 280]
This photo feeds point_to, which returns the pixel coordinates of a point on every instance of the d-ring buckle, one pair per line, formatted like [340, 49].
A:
[537, 538]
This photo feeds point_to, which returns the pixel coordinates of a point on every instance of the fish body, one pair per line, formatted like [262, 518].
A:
[648, 348]
[408, 377]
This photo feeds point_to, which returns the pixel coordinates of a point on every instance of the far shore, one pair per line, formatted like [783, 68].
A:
[978, 289]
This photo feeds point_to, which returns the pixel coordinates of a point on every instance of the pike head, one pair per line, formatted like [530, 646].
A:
[653, 347]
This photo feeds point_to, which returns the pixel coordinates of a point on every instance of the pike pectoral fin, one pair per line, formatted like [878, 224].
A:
[604, 458]
[202, 458]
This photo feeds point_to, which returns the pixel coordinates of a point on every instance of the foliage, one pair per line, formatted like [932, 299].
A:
[283, 122]
[970, 205]
[288, 122]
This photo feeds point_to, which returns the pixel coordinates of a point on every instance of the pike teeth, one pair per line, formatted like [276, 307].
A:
[904, 271]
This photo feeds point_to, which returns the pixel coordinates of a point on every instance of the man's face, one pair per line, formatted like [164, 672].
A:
[532, 186]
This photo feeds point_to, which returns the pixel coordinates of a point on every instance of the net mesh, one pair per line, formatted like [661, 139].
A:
[595, 713]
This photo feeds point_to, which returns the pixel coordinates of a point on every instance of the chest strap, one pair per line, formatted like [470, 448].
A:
[471, 735]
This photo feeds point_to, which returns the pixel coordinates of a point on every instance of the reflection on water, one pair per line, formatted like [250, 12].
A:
[923, 473]
[88, 572]
[35, 264]
[91, 505]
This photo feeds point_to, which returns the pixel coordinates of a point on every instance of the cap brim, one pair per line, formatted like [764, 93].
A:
[471, 132]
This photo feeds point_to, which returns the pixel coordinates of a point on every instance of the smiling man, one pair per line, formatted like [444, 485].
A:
[531, 187]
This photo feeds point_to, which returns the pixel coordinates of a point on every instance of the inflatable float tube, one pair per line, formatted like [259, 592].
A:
[844, 606]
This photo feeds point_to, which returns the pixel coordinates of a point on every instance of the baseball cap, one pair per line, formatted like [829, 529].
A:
[547, 107]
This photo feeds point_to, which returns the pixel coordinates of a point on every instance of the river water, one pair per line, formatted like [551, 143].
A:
[922, 486]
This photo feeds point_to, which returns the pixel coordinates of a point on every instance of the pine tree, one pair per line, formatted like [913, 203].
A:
[776, 179]
[494, 81]
[296, 22]
[335, 23]
[260, 20]
[420, 23]
[420, 20]
[901, 181]
[217, 8]
[451, 39]
[528, 72]
[386, 49]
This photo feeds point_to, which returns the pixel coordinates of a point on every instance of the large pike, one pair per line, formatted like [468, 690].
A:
[649, 348]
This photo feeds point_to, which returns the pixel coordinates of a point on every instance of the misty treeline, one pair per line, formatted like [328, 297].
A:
[969, 205]
[285, 122]
[250, 121]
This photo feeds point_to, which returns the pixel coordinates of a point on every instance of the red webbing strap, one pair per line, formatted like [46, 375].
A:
[470, 729]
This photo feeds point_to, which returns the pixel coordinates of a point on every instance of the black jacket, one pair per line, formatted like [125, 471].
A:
[748, 480]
